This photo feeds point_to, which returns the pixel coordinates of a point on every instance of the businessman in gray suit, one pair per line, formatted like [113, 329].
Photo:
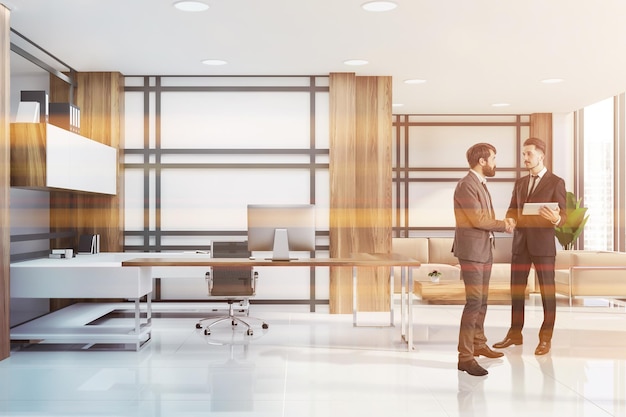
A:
[473, 243]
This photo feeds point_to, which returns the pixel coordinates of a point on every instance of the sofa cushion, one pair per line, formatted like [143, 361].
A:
[590, 281]
[566, 258]
[440, 251]
[583, 258]
[416, 247]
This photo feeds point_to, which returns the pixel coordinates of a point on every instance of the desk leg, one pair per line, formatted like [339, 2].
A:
[354, 297]
[148, 322]
[402, 303]
[137, 316]
[391, 283]
[149, 309]
[410, 310]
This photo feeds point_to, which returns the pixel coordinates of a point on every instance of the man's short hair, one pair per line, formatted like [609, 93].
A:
[477, 151]
[538, 143]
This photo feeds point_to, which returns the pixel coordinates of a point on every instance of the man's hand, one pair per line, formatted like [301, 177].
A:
[509, 225]
[550, 215]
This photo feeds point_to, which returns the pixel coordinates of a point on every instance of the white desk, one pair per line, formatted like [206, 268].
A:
[85, 276]
[130, 276]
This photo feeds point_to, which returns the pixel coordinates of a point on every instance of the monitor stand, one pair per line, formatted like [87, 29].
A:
[280, 251]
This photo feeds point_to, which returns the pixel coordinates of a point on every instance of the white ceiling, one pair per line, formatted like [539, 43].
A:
[473, 53]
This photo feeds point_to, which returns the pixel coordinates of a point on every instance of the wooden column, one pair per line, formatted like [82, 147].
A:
[5, 185]
[360, 186]
[541, 127]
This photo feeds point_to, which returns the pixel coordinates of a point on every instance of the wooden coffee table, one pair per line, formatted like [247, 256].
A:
[453, 292]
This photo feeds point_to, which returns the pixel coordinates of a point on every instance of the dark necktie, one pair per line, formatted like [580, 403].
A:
[491, 211]
[532, 186]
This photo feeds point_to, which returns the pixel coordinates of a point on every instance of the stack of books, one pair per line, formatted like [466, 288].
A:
[65, 115]
[89, 244]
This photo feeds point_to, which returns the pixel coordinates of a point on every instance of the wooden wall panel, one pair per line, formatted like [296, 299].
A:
[5, 184]
[541, 127]
[63, 204]
[342, 173]
[360, 185]
[100, 97]
[28, 155]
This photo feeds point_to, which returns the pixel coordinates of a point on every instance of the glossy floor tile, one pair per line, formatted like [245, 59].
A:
[317, 364]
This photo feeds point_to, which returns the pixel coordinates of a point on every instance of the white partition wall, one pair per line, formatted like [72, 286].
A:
[430, 158]
[198, 150]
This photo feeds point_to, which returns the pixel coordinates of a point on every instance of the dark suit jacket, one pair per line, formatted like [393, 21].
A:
[474, 222]
[534, 233]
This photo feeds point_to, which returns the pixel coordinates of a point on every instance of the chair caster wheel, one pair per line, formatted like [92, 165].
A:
[265, 326]
[234, 323]
[198, 326]
[249, 332]
[207, 332]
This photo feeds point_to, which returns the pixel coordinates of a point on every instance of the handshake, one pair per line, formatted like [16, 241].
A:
[509, 225]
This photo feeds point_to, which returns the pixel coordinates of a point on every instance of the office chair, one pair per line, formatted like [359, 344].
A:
[231, 284]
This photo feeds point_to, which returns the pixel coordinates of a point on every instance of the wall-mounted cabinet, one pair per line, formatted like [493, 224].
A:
[46, 157]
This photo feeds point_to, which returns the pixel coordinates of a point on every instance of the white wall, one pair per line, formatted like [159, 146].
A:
[26, 82]
[563, 147]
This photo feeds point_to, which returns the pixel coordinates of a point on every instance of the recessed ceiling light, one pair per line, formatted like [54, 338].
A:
[191, 6]
[500, 105]
[379, 6]
[214, 62]
[552, 80]
[414, 81]
[355, 62]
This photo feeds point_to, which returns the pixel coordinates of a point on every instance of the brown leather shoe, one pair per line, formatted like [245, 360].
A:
[508, 341]
[488, 353]
[472, 367]
[542, 348]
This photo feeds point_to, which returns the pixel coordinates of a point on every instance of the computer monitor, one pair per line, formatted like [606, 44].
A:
[281, 228]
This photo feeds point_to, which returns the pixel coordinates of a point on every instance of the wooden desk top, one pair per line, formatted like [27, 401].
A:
[359, 259]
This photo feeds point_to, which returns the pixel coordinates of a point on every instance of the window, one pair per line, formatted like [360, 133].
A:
[598, 151]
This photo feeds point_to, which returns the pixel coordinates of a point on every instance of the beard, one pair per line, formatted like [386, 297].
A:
[489, 171]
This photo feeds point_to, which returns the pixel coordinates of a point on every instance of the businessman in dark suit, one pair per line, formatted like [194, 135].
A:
[534, 243]
[473, 243]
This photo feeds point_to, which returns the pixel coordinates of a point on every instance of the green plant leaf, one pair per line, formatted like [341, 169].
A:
[568, 233]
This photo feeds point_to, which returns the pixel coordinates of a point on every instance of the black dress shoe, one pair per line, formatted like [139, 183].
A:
[542, 348]
[488, 353]
[508, 341]
[472, 367]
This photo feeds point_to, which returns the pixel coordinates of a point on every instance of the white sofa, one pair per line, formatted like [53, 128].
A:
[435, 253]
[581, 273]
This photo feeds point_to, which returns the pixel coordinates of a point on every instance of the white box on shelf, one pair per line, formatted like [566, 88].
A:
[27, 112]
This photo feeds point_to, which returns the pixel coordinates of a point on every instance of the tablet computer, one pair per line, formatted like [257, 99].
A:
[532, 209]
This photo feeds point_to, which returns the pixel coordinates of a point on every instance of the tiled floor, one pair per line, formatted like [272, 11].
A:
[316, 364]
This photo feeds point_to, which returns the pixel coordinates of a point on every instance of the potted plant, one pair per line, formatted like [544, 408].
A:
[575, 223]
[434, 276]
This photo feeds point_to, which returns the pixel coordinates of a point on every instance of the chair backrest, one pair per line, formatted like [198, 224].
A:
[230, 249]
[231, 281]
